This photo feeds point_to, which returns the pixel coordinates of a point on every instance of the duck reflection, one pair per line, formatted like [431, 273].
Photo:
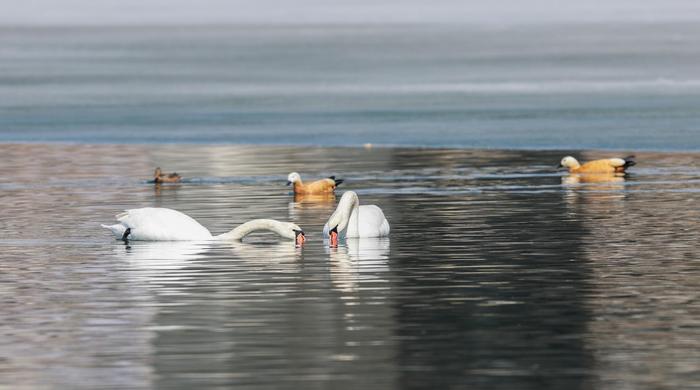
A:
[594, 187]
[593, 178]
[360, 260]
[314, 199]
[311, 206]
[159, 187]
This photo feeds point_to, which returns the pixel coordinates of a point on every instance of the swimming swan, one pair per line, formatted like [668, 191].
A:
[355, 220]
[161, 224]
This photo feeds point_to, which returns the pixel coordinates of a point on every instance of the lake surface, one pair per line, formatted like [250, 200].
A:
[587, 86]
[499, 273]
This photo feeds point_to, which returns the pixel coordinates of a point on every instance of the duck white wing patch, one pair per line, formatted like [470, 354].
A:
[616, 162]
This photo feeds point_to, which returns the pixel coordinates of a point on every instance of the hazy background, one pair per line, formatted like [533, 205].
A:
[500, 74]
[86, 12]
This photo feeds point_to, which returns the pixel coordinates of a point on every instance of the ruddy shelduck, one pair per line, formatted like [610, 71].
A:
[606, 165]
[322, 186]
[160, 177]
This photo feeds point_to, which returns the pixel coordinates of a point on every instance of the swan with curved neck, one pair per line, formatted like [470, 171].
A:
[161, 224]
[353, 220]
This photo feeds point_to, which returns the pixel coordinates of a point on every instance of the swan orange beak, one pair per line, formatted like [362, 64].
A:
[299, 238]
[333, 234]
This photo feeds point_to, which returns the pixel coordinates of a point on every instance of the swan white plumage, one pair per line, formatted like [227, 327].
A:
[355, 220]
[161, 224]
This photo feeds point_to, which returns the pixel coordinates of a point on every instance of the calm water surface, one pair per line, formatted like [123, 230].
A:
[499, 273]
[615, 86]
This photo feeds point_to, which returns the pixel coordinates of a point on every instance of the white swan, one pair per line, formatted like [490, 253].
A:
[161, 224]
[355, 220]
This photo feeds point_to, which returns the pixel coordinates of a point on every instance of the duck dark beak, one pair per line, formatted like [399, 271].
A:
[333, 234]
[299, 237]
[289, 183]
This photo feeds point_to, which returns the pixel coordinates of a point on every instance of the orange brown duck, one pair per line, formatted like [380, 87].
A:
[323, 186]
[606, 165]
[160, 177]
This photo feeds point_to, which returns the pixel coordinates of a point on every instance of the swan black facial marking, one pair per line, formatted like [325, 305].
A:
[126, 234]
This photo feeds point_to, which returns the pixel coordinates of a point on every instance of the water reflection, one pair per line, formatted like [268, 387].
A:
[161, 255]
[313, 208]
[530, 281]
[158, 188]
[312, 200]
[359, 261]
[594, 189]
[595, 178]
[280, 256]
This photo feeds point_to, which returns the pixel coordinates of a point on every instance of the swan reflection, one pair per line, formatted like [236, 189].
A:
[361, 260]
[162, 255]
[280, 256]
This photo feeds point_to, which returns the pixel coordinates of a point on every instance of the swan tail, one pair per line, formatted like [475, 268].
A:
[117, 230]
[384, 229]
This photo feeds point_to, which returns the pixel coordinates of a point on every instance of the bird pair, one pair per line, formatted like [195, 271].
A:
[162, 224]
[323, 186]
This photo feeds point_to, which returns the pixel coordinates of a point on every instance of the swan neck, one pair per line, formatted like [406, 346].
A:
[351, 215]
[354, 224]
[257, 225]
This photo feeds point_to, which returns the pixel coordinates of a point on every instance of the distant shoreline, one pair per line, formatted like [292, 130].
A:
[318, 146]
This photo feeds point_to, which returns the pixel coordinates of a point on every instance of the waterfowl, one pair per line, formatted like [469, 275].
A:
[160, 177]
[318, 187]
[355, 221]
[161, 224]
[606, 165]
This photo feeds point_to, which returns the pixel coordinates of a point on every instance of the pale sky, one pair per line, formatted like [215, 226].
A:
[493, 12]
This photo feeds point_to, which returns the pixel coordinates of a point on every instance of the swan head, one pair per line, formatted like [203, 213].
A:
[158, 172]
[299, 236]
[293, 178]
[569, 162]
[333, 235]
[339, 220]
[336, 223]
